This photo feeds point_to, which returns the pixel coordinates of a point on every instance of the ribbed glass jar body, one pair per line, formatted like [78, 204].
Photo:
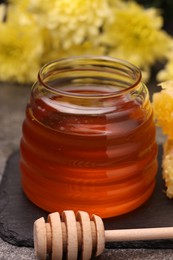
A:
[89, 138]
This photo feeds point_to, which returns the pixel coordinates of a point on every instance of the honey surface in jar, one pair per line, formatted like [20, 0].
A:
[97, 155]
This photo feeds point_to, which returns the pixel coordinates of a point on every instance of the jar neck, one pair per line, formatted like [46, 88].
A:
[87, 89]
[89, 77]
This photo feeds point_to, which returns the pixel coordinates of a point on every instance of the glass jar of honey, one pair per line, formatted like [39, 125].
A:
[89, 138]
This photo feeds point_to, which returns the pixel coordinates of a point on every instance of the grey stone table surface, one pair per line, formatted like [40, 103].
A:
[13, 99]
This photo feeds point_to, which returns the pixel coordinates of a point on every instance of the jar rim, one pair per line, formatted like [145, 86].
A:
[108, 59]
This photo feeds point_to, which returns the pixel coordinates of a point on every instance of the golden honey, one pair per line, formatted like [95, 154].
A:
[89, 138]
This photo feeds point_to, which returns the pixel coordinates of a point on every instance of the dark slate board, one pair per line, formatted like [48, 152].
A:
[17, 213]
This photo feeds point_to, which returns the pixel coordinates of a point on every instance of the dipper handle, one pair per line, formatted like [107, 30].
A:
[79, 237]
[138, 234]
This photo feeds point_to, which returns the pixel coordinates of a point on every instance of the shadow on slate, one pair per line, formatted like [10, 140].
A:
[17, 213]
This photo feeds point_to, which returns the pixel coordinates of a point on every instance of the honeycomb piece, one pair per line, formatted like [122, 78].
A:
[163, 108]
[167, 165]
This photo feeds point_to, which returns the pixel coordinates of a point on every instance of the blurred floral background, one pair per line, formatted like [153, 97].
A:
[34, 32]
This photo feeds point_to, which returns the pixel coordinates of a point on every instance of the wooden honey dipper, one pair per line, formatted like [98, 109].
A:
[79, 237]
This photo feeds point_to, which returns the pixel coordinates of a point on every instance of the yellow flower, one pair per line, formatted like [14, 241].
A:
[79, 20]
[86, 48]
[135, 34]
[71, 21]
[43, 30]
[20, 52]
[163, 108]
[167, 72]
